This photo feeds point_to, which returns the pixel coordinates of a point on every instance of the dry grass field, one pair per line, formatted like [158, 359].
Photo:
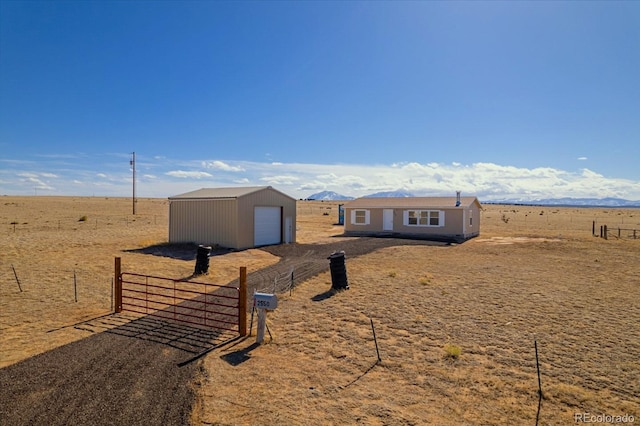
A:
[455, 325]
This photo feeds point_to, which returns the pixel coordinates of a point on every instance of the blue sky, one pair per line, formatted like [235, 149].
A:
[517, 100]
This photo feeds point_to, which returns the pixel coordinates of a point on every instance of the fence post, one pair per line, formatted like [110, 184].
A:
[606, 236]
[242, 302]
[118, 283]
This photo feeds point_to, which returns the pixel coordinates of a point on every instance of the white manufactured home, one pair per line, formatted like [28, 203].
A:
[237, 217]
[433, 218]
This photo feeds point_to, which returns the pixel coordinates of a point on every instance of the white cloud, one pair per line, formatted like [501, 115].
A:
[582, 158]
[33, 181]
[488, 181]
[220, 165]
[591, 175]
[188, 174]
[280, 180]
[28, 175]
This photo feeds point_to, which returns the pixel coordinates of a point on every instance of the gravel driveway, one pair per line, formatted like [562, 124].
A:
[134, 373]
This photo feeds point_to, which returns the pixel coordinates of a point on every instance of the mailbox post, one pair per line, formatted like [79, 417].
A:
[263, 302]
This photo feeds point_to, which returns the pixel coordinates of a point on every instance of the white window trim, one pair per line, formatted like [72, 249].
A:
[405, 218]
[367, 216]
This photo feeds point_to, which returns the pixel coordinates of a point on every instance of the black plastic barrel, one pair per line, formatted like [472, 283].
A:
[202, 260]
[338, 271]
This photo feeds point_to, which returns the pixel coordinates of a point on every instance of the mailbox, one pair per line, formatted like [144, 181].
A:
[265, 301]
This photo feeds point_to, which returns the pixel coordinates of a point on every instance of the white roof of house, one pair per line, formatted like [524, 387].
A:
[411, 202]
[222, 193]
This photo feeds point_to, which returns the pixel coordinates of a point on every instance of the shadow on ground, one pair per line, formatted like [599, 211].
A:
[324, 296]
[236, 358]
[126, 372]
[179, 335]
[182, 251]
[139, 370]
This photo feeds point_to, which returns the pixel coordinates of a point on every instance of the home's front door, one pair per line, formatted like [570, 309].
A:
[387, 220]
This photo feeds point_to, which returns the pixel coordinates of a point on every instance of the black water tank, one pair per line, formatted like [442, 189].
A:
[338, 271]
[202, 260]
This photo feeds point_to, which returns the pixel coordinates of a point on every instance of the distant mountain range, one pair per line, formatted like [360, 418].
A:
[328, 196]
[334, 196]
[575, 202]
[390, 194]
[566, 201]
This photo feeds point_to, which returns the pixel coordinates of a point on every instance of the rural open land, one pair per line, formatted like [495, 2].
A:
[455, 325]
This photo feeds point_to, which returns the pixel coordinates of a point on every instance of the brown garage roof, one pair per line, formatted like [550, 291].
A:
[222, 193]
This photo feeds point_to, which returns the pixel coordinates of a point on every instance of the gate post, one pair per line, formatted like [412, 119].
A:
[242, 302]
[118, 284]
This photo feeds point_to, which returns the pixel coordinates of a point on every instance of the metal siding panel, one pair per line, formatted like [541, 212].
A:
[222, 222]
[244, 219]
[290, 210]
[174, 220]
[203, 222]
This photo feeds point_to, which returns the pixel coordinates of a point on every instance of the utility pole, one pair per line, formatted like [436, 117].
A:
[132, 162]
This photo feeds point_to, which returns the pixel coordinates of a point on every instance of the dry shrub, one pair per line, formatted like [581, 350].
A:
[452, 352]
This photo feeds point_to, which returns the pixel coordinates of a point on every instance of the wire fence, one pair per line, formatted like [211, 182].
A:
[286, 275]
[619, 233]
[84, 222]
[59, 286]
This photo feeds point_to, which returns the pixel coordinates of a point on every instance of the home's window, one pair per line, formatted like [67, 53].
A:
[434, 218]
[360, 217]
[470, 217]
[424, 218]
[418, 217]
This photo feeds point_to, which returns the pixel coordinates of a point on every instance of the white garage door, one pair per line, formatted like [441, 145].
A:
[266, 225]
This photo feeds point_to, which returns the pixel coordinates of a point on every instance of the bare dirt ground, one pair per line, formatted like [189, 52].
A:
[535, 273]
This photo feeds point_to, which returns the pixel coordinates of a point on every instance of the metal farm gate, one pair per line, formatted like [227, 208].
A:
[216, 306]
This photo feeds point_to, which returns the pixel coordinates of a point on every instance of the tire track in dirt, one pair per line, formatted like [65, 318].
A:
[112, 378]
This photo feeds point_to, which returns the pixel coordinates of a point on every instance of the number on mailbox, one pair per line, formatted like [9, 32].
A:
[265, 301]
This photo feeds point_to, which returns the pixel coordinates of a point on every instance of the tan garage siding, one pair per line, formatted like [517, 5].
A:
[203, 222]
[225, 216]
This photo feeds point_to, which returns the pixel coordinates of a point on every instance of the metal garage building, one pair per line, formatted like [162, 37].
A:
[239, 218]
